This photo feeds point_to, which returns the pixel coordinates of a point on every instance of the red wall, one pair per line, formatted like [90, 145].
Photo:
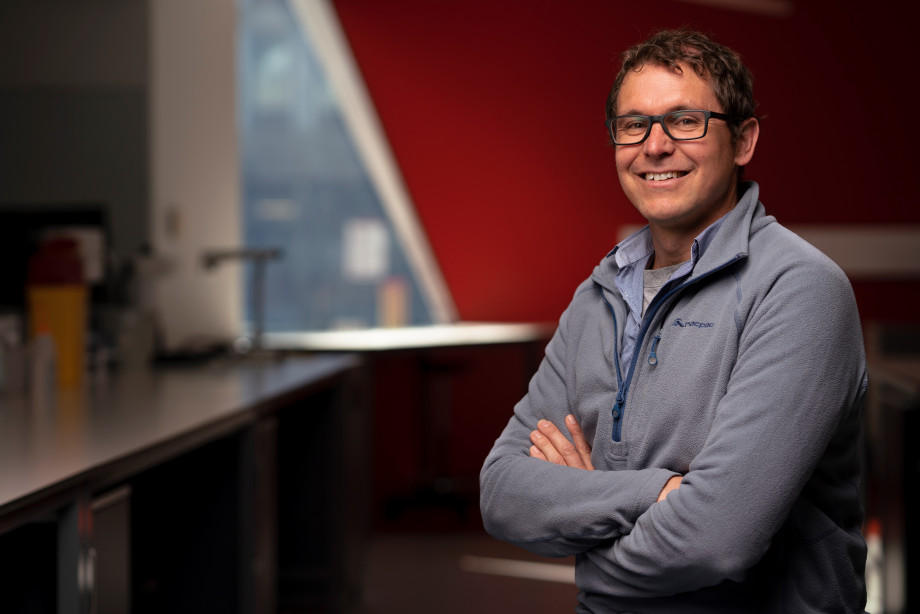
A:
[495, 110]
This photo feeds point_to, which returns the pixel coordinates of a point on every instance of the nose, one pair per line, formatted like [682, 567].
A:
[658, 143]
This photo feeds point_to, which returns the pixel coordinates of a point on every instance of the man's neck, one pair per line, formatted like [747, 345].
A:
[670, 248]
[673, 244]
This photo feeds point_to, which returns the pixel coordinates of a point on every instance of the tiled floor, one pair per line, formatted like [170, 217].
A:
[434, 573]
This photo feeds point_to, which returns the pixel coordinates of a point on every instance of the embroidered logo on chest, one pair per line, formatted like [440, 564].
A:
[693, 324]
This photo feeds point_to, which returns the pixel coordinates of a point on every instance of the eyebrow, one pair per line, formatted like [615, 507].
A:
[680, 107]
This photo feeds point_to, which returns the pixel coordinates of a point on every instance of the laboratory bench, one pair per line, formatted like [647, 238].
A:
[238, 485]
[440, 396]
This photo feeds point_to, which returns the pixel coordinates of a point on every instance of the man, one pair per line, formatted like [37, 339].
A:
[709, 375]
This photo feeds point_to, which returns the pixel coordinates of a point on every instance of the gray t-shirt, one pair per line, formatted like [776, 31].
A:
[654, 280]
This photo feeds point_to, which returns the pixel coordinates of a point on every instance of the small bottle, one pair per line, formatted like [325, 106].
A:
[14, 356]
[875, 566]
[43, 370]
[3, 367]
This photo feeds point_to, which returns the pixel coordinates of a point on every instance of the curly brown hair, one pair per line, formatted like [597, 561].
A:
[730, 79]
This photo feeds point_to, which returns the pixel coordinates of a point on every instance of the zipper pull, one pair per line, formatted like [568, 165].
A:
[653, 357]
[617, 410]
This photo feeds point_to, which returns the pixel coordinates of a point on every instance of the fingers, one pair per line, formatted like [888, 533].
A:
[673, 483]
[556, 448]
[578, 439]
[544, 449]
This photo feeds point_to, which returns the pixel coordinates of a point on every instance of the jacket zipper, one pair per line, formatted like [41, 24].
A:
[653, 357]
[623, 389]
[617, 410]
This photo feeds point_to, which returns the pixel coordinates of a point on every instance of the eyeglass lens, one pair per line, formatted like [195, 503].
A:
[680, 125]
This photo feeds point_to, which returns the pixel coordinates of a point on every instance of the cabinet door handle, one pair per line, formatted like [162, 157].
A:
[89, 579]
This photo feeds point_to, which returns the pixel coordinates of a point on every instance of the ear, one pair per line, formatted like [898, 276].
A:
[744, 146]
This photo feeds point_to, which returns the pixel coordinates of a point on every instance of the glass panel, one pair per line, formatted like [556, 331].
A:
[305, 190]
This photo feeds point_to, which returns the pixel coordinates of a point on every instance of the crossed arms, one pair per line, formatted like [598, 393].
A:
[551, 445]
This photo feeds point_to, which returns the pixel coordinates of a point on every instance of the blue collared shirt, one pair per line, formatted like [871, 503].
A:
[632, 256]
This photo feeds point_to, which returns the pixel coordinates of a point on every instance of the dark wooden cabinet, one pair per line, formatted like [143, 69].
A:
[229, 488]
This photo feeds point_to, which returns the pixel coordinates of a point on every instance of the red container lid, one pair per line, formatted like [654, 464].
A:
[57, 262]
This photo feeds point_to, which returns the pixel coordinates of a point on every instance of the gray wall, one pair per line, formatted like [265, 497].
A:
[74, 108]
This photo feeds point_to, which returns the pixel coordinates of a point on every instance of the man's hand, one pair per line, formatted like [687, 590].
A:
[672, 484]
[551, 445]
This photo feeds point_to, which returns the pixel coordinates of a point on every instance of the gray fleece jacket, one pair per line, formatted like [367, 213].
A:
[747, 379]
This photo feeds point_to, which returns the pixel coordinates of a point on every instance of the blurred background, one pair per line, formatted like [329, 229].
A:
[371, 168]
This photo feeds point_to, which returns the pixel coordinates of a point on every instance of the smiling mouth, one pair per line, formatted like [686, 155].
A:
[664, 176]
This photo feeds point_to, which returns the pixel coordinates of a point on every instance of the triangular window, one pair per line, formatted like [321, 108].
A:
[319, 182]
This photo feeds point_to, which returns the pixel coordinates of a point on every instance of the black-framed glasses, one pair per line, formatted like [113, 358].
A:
[683, 125]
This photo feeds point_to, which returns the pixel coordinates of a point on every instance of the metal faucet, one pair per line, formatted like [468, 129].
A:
[259, 258]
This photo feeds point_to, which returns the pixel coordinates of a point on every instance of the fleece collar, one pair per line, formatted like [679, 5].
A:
[730, 242]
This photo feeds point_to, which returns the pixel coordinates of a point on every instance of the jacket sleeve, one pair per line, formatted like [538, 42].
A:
[550, 509]
[798, 381]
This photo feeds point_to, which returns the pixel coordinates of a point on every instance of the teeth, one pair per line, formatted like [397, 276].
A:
[663, 176]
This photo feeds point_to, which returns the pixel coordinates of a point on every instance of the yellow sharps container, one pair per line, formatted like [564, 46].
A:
[57, 303]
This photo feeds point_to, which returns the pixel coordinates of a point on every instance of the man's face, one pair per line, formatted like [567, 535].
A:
[681, 186]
